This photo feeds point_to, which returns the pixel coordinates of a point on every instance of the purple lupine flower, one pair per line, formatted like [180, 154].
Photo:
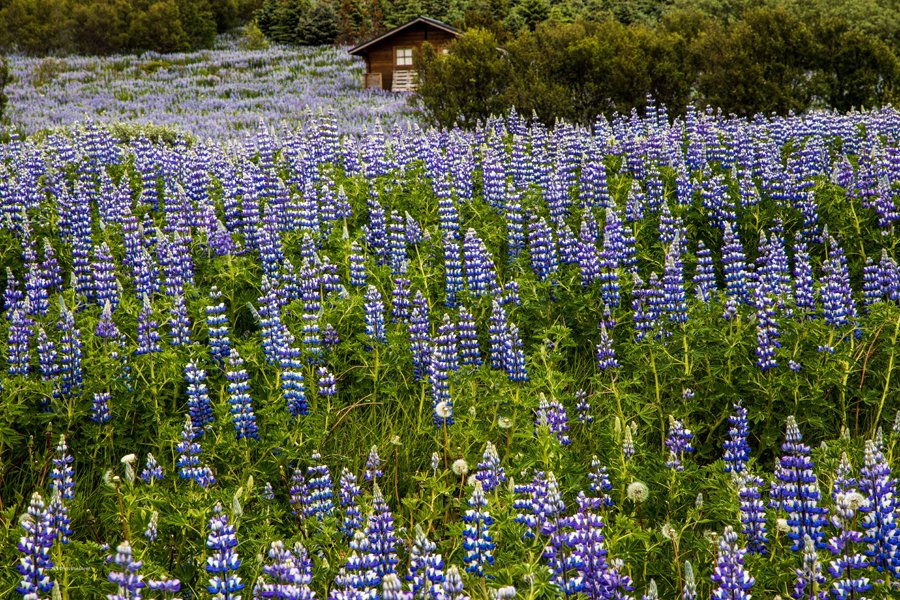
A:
[514, 361]
[21, 330]
[179, 322]
[35, 546]
[188, 463]
[804, 282]
[481, 276]
[152, 471]
[732, 580]
[847, 563]
[879, 523]
[309, 281]
[383, 542]
[600, 484]
[357, 265]
[588, 257]
[152, 530]
[62, 476]
[426, 567]
[223, 563]
[490, 473]
[104, 274]
[453, 269]
[392, 588]
[734, 265]
[100, 407]
[147, 335]
[400, 305]
[797, 490]
[317, 499]
[420, 337]
[289, 572]
[239, 398]
[737, 451]
[453, 585]
[606, 353]
[810, 580]
[444, 359]
[553, 414]
[48, 364]
[71, 376]
[542, 248]
[753, 514]
[293, 387]
[477, 541]
[766, 330]
[297, 491]
[374, 317]
[689, 591]
[373, 466]
[199, 405]
[36, 288]
[705, 276]
[583, 407]
[872, 292]
[326, 385]
[357, 578]
[217, 326]
[588, 557]
[50, 271]
[129, 581]
[467, 335]
[844, 481]
[838, 308]
[550, 517]
[348, 490]
[678, 442]
[674, 297]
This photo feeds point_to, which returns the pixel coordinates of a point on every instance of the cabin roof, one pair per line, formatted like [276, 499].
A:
[432, 22]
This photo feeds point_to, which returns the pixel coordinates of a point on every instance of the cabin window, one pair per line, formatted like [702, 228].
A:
[404, 57]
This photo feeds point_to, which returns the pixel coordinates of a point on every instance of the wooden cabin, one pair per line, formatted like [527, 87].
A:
[389, 57]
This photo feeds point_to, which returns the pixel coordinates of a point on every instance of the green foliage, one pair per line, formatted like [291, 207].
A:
[253, 38]
[300, 22]
[5, 79]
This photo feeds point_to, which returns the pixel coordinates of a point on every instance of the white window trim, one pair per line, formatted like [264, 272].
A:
[407, 59]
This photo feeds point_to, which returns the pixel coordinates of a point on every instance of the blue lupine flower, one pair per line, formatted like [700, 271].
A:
[550, 518]
[293, 386]
[317, 500]
[35, 545]
[382, 540]
[152, 530]
[689, 591]
[217, 325]
[62, 476]
[469, 353]
[583, 407]
[188, 463]
[848, 563]
[678, 442]
[152, 471]
[104, 274]
[705, 276]
[838, 308]
[444, 359]
[737, 451]
[100, 407]
[373, 466]
[490, 473]
[392, 588]
[481, 276]
[453, 269]
[179, 322]
[753, 513]
[128, 579]
[542, 248]
[199, 406]
[147, 335]
[357, 265]
[21, 330]
[588, 257]
[239, 398]
[426, 567]
[879, 522]
[268, 492]
[477, 540]
[796, 490]
[453, 585]
[600, 484]
[553, 414]
[400, 304]
[358, 579]
[804, 282]
[674, 297]
[420, 337]
[374, 309]
[732, 580]
[223, 562]
[326, 384]
[348, 490]
[290, 573]
[606, 353]
[515, 356]
[734, 264]
[810, 580]
[588, 557]
[844, 481]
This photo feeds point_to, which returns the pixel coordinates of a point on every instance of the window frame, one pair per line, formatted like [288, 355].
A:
[408, 59]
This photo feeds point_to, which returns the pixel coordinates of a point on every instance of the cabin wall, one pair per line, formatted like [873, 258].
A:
[380, 57]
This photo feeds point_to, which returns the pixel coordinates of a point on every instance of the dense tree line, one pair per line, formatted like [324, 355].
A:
[4, 81]
[109, 26]
[769, 60]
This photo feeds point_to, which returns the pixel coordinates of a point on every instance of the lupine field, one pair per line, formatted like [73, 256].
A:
[649, 359]
[213, 94]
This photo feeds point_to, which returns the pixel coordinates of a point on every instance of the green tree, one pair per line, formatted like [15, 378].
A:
[5, 79]
[467, 84]
[198, 22]
[317, 26]
[159, 28]
[533, 12]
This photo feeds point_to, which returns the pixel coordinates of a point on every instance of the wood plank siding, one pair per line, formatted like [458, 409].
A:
[392, 52]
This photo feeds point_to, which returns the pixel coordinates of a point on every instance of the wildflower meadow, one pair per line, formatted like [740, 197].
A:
[651, 358]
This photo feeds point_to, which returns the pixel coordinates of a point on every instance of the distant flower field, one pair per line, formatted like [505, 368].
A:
[219, 94]
[649, 359]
